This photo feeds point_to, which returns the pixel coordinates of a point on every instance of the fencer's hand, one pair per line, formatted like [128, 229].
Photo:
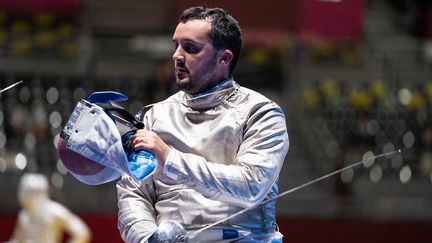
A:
[150, 141]
[168, 231]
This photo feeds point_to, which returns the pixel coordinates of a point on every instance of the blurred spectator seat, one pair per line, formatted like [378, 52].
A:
[20, 27]
[43, 20]
[20, 47]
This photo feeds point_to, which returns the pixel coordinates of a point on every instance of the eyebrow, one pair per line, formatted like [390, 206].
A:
[188, 41]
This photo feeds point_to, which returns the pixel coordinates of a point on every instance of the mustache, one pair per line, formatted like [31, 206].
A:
[180, 64]
[181, 67]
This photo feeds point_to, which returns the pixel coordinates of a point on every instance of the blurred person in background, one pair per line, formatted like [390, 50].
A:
[220, 146]
[44, 220]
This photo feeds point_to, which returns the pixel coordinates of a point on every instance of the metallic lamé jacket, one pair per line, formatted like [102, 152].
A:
[228, 147]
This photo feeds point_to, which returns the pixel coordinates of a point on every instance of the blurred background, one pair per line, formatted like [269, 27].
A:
[353, 76]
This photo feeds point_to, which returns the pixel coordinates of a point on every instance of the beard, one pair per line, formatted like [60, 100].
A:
[203, 79]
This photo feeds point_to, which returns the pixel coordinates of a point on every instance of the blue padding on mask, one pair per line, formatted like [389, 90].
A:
[106, 96]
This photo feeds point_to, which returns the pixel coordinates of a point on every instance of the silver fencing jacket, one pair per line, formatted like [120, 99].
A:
[228, 147]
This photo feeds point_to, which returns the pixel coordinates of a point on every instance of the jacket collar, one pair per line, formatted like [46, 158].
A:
[212, 97]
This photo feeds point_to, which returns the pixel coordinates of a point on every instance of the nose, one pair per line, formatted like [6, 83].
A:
[178, 56]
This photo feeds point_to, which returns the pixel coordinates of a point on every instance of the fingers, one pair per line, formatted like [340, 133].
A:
[140, 136]
[143, 139]
[150, 141]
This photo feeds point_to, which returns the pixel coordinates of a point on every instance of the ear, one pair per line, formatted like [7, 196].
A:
[226, 57]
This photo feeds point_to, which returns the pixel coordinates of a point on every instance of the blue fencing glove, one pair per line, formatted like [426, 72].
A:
[141, 163]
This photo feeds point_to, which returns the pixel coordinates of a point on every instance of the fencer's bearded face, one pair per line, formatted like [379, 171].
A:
[195, 58]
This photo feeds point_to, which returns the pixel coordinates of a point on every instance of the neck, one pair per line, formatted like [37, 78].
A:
[208, 91]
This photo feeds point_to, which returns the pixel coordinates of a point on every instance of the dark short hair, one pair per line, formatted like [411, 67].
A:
[225, 31]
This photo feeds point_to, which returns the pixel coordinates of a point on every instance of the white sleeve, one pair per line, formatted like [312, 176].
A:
[136, 215]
